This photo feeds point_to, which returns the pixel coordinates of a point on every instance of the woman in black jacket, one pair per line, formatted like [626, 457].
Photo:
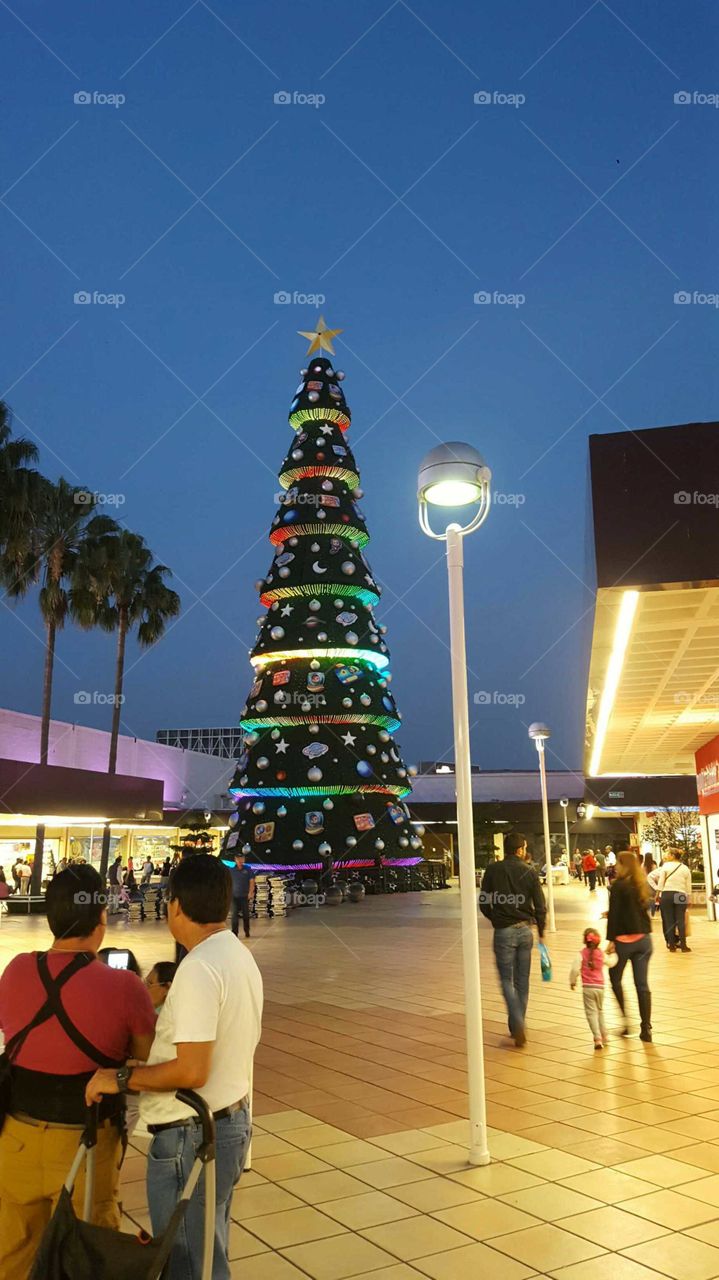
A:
[629, 930]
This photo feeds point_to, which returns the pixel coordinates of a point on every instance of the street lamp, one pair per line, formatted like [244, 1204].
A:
[564, 802]
[455, 475]
[539, 734]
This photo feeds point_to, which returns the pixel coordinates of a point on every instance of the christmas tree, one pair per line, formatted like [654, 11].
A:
[321, 784]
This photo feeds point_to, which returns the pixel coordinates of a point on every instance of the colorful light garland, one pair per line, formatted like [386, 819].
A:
[343, 864]
[348, 531]
[320, 589]
[290, 477]
[314, 414]
[286, 722]
[377, 660]
[338, 789]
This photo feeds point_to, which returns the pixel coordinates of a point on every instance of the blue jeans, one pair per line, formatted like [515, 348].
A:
[513, 953]
[170, 1159]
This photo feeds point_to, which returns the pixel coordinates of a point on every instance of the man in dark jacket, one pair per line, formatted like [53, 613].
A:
[511, 898]
[244, 888]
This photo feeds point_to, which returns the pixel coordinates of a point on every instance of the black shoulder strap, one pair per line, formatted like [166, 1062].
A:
[45, 1012]
[57, 1008]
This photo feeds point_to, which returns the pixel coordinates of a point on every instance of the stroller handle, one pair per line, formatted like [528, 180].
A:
[206, 1118]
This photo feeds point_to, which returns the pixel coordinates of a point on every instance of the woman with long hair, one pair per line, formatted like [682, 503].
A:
[629, 930]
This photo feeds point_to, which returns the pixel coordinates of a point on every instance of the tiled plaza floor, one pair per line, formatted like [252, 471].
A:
[602, 1163]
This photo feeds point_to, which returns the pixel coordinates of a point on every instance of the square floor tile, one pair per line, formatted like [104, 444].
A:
[701, 1154]
[391, 1172]
[266, 1266]
[706, 1189]
[318, 1187]
[678, 1256]
[486, 1218]
[408, 1141]
[547, 1245]
[293, 1226]
[608, 1185]
[442, 1160]
[706, 1231]
[371, 1209]
[612, 1228]
[553, 1165]
[339, 1258]
[434, 1194]
[269, 1144]
[281, 1120]
[472, 1261]
[251, 1202]
[315, 1135]
[415, 1237]
[661, 1170]
[242, 1244]
[496, 1179]
[671, 1209]
[619, 1267]
[344, 1154]
[400, 1271]
[550, 1201]
[295, 1165]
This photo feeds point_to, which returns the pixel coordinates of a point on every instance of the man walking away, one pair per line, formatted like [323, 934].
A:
[207, 1032]
[601, 867]
[99, 1015]
[244, 889]
[511, 898]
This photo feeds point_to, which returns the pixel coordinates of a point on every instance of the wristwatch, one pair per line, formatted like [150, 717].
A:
[122, 1075]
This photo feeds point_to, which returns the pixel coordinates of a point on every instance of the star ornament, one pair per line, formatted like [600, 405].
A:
[320, 339]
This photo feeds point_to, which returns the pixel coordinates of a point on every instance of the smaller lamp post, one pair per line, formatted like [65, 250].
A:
[539, 734]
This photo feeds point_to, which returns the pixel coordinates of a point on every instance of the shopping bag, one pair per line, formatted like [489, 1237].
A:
[545, 962]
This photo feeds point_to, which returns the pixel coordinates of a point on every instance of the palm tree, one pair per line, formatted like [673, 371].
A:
[118, 587]
[64, 525]
[19, 484]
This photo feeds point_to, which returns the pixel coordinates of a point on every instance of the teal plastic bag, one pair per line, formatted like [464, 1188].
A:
[545, 962]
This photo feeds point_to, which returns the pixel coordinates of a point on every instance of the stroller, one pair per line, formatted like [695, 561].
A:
[72, 1249]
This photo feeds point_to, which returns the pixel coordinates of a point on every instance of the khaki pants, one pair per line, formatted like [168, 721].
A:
[35, 1160]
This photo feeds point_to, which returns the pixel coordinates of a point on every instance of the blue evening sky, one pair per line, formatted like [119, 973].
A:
[398, 198]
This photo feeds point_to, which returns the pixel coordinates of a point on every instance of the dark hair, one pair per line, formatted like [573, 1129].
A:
[514, 842]
[164, 971]
[132, 964]
[202, 885]
[75, 900]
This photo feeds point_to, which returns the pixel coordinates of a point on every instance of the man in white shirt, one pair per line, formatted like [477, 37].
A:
[205, 1040]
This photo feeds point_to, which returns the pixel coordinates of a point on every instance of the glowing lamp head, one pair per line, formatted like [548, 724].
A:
[450, 476]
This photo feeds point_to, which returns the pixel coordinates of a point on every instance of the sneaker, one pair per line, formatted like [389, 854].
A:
[598, 1044]
[520, 1038]
[685, 948]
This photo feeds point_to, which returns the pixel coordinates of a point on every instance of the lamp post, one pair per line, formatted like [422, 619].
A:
[539, 734]
[455, 475]
[564, 802]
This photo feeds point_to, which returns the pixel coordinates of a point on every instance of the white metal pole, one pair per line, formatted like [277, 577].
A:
[478, 1148]
[547, 855]
[566, 842]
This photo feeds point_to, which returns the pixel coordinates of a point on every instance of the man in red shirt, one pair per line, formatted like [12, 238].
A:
[97, 1017]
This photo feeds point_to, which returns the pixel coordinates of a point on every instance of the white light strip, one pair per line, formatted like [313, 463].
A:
[622, 632]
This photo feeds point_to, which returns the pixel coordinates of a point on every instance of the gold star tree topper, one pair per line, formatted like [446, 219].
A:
[320, 338]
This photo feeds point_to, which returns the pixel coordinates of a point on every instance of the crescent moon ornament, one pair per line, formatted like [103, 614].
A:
[317, 567]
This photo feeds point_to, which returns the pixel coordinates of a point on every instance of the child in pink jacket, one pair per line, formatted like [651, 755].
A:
[590, 964]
